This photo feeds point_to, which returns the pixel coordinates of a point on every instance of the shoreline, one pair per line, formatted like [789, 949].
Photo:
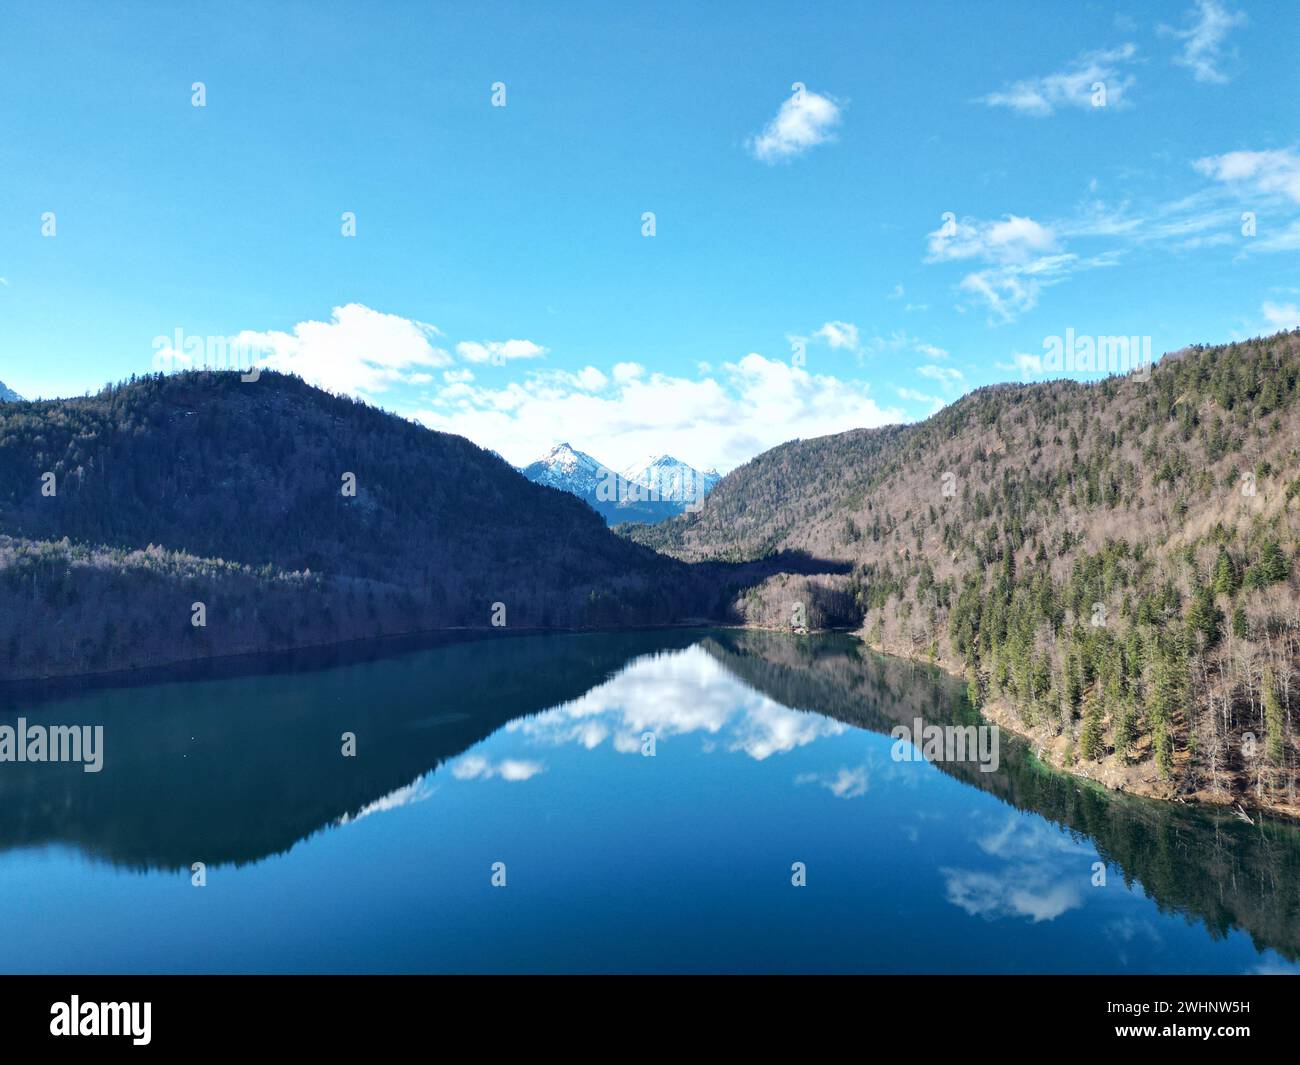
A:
[1052, 749]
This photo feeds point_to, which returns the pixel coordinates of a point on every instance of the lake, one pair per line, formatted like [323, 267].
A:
[644, 796]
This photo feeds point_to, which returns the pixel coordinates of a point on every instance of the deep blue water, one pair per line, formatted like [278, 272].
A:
[528, 751]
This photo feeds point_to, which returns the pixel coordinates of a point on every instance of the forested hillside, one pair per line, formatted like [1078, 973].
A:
[294, 516]
[1113, 566]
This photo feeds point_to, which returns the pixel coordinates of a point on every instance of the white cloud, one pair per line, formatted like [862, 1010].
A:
[804, 120]
[1203, 43]
[1281, 316]
[590, 379]
[1072, 86]
[499, 351]
[359, 351]
[1008, 239]
[723, 417]
[947, 376]
[720, 419]
[1275, 172]
[839, 335]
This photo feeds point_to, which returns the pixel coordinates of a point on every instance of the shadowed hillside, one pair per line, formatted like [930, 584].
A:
[294, 516]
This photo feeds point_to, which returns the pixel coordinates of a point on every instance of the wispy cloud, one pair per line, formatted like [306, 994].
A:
[1073, 86]
[848, 783]
[1268, 172]
[1203, 42]
[1018, 257]
[900, 341]
[948, 376]
[1021, 257]
[935, 403]
[1010, 290]
[805, 120]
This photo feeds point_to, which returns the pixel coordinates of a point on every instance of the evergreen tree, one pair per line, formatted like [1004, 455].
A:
[1271, 566]
[1203, 619]
[1240, 629]
[1091, 744]
[1224, 580]
[1274, 720]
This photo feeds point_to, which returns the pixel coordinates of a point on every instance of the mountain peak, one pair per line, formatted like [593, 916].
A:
[566, 454]
[567, 468]
[671, 479]
[8, 395]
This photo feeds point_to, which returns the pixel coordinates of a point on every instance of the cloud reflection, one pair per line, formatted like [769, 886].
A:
[846, 784]
[476, 767]
[1044, 873]
[678, 694]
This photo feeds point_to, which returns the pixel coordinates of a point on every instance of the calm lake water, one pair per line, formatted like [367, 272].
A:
[769, 750]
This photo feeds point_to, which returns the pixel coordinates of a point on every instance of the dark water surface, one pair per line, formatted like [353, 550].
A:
[528, 751]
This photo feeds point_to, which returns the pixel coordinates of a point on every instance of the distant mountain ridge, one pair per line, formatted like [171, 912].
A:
[8, 395]
[650, 491]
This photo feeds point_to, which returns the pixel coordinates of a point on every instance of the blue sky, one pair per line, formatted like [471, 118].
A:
[942, 196]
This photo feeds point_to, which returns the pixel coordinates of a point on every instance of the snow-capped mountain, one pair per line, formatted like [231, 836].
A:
[672, 480]
[650, 491]
[570, 469]
[8, 395]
